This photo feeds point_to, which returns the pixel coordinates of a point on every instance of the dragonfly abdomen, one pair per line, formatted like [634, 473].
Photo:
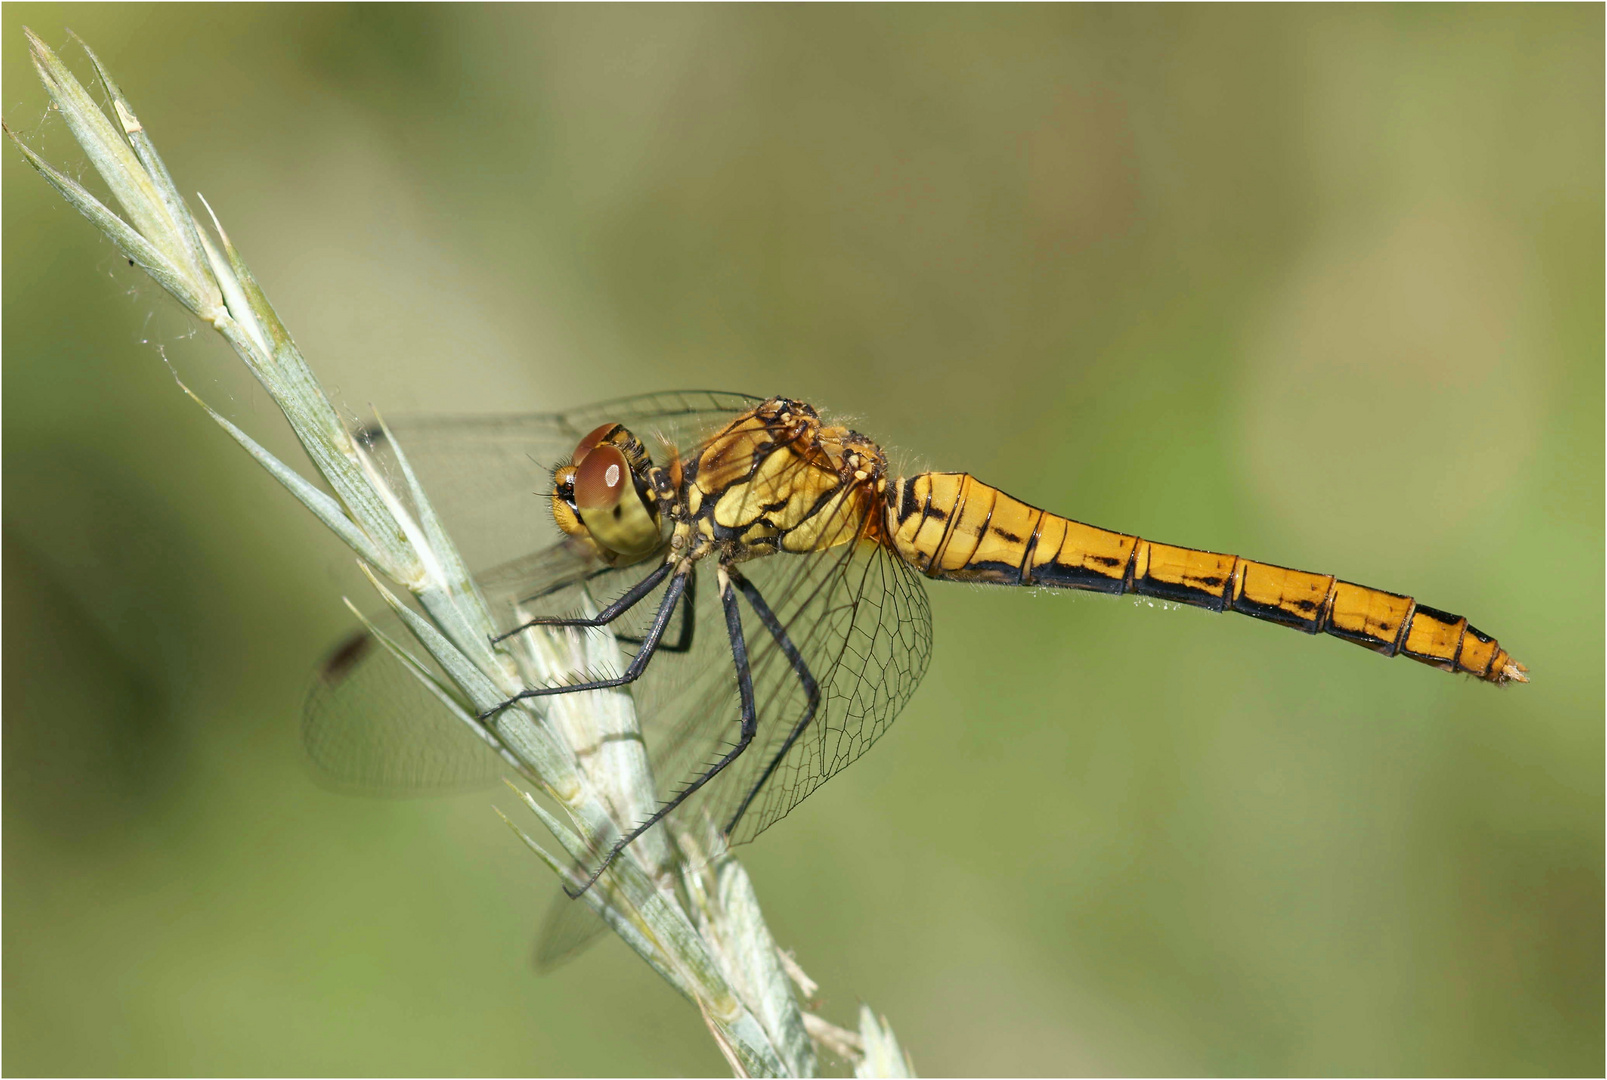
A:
[952, 526]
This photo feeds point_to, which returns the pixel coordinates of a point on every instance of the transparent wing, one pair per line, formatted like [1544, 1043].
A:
[854, 640]
[859, 626]
[367, 723]
[486, 476]
[860, 620]
[567, 930]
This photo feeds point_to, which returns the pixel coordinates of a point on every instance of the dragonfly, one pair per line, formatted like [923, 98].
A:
[767, 566]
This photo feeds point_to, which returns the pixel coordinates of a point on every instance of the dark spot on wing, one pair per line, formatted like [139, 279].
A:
[346, 656]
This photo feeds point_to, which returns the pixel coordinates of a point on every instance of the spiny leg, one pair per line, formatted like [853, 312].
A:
[638, 663]
[688, 622]
[630, 599]
[750, 724]
[801, 667]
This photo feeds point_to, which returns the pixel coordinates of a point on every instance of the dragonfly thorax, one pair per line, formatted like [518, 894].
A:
[776, 479]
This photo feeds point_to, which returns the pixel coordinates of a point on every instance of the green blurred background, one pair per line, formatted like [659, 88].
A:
[1321, 286]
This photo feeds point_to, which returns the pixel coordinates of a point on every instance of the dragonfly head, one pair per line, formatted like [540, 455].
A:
[604, 494]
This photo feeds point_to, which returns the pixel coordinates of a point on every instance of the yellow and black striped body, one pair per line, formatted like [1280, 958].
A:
[950, 525]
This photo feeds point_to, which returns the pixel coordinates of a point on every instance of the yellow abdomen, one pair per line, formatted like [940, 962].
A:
[950, 525]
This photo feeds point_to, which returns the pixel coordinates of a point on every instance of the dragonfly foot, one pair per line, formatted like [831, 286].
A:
[492, 712]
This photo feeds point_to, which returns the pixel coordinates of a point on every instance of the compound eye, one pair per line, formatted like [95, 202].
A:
[585, 445]
[602, 478]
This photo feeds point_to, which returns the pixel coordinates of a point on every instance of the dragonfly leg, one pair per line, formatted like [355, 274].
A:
[688, 622]
[800, 667]
[632, 597]
[638, 664]
[750, 724]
